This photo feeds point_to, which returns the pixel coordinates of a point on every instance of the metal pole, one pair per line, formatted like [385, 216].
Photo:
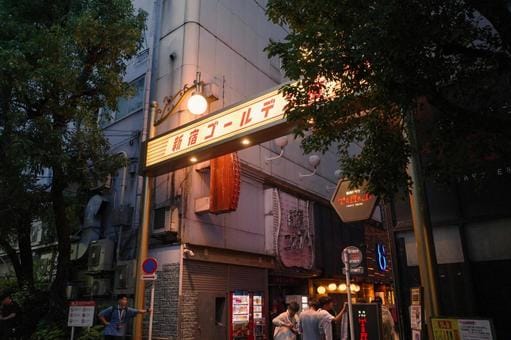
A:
[143, 239]
[151, 306]
[72, 333]
[348, 290]
[422, 230]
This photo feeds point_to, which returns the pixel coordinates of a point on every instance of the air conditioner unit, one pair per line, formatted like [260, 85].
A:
[36, 233]
[122, 215]
[125, 277]
[166, 220]
[100, 287]
[100, 255]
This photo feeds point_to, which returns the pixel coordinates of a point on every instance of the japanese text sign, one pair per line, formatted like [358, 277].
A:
[259, 120]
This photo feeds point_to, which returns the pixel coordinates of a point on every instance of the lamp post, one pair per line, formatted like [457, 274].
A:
[199, 105]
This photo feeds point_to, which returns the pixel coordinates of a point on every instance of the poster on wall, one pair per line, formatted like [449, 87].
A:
[462, 329]
[416, 317]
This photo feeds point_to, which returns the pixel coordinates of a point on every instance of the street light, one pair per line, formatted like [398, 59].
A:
[197, 103]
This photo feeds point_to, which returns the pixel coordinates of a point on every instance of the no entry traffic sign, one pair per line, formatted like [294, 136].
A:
[149, 265]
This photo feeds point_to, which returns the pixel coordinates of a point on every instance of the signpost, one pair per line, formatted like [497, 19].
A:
[352, 204]
[81, 314]
[149, 267]
[352, 258]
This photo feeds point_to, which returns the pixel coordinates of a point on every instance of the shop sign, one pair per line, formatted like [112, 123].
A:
[462, 329]
[381, 257]
[367, 321]
[352, 204]
[231, 129]
[295, 234]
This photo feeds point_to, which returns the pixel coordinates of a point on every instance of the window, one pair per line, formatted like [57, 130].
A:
[125, 105]
[159, 218]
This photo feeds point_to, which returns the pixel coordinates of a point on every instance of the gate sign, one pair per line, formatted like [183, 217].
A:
[352, 205]
[149, 265]
[231, 129]
[352, 256]
[81, 313]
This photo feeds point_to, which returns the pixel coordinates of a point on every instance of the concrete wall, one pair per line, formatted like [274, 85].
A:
[225, 41]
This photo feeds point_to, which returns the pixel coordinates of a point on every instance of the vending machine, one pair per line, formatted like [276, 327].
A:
[247, 316]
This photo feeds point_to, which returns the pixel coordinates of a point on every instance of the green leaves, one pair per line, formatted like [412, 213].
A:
[392, 59]
[60, 62]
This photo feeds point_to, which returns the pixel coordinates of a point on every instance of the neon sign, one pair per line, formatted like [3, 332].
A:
[381, 254]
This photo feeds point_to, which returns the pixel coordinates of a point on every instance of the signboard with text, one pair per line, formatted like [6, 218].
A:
[251, 122]
[81, 313]
[462, 329]
[352, 204]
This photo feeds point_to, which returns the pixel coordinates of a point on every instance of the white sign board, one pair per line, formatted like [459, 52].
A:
[416, 317]
[81, 313]
[475, 329]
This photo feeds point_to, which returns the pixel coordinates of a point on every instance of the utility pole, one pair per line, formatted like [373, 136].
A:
[422, 229]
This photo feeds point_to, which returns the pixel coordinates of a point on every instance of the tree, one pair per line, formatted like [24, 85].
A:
[390, 61]
[60, 62]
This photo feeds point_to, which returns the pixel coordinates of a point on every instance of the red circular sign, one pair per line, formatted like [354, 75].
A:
[150, 265]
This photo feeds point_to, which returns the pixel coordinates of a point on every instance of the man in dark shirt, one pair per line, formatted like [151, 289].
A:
[9, 316]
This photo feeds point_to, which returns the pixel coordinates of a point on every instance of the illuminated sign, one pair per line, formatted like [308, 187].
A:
[251, 122]
[352, 204]
[368, 321]
[381, 256]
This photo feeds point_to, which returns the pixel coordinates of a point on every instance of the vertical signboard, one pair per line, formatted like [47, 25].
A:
[367, 321]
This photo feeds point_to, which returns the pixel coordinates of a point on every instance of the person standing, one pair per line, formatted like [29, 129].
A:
[309, 322]
[287, 323]
[9, 318]
[116, 318]
[389, 332]
[325, 304]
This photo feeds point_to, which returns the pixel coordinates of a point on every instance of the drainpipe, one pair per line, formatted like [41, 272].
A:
[121, 203]
[123, 181]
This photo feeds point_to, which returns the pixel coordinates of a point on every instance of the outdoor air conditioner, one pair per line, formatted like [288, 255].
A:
[125, 277]
[100, 287]
[166, 220]
[100, 255]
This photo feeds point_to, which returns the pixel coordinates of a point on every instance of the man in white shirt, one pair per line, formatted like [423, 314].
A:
[287, 323]
[325, 304]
